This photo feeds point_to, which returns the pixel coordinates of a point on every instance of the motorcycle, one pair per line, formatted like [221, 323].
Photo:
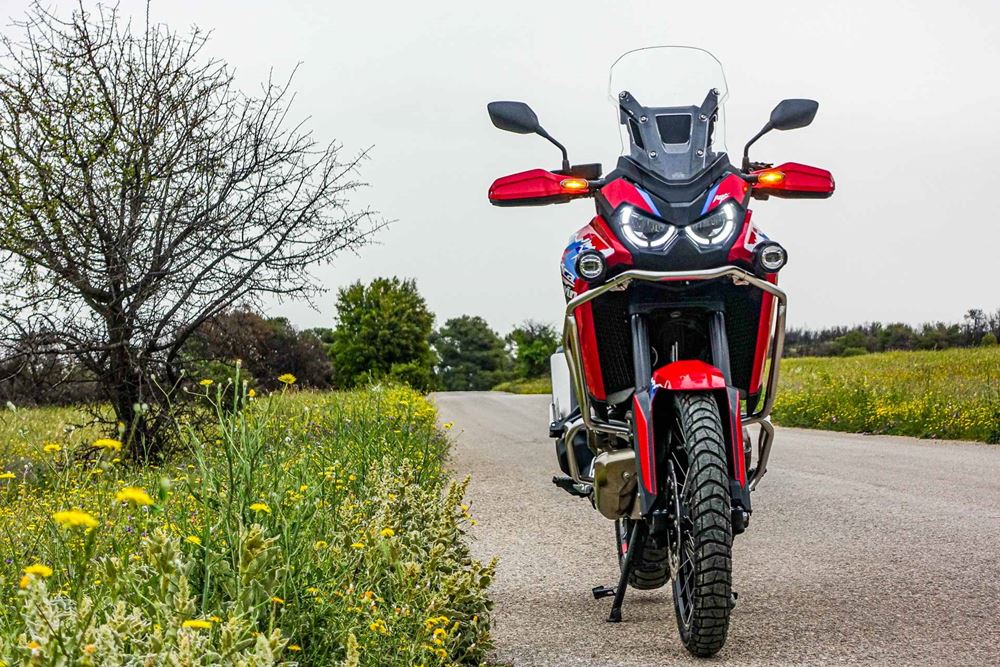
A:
[673, 329]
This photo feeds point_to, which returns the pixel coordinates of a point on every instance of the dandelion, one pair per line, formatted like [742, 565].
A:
[108, 443]
[441, 653]
[387, 532]
[320, 544]
[134, 496]
[193, 539]
[277, 600]
[207, 382]
[251, 393]
[260, 507]
[449, 425]
[39, 570]
[197, 624]
[378, 625]
[52, 448]
[440, 633]
[75, 519]
[7, 475]
[294, 647]
[358, 545]
[287, 379]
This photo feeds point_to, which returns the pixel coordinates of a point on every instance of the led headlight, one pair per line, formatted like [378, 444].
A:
[590, 265]
[769, 257]
[642, 231]
[715, 228]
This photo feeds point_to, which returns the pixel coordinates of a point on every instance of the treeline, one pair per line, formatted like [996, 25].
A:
[976, 328]
[381, 330]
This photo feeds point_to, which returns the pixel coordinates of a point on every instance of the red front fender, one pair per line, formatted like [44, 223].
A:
[688, 375]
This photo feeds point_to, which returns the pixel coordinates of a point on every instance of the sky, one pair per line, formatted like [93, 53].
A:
[908, 124]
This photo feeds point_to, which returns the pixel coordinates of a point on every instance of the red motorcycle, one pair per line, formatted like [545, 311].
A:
[673, 329]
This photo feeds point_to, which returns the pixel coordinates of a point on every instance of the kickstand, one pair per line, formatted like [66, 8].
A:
[635, 544]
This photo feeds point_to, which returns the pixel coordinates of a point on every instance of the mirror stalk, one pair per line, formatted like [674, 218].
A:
[746, 149]
[565, 156]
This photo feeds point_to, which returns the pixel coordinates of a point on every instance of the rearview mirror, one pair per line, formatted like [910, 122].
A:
[793, 114]
[514, 117]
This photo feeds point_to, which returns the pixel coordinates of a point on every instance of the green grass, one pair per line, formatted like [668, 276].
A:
[541, 385]
[316, 528]
[950, 394]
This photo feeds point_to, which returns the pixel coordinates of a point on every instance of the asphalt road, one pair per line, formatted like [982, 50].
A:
[862, 550]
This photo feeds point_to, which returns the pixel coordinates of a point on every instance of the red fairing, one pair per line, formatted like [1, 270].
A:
[647, 458]
[688, 375]
[620, 191]
[796, 181]
[738, 463]
[763, 336]
[743, 247]
[588, 345]
[731, 187]
[536, 186]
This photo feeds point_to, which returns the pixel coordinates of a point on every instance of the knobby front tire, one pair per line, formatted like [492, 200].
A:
[703, 585]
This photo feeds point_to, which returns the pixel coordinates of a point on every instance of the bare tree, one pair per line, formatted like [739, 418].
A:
[142, 193]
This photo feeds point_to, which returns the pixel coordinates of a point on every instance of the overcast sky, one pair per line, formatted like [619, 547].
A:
[908, 124]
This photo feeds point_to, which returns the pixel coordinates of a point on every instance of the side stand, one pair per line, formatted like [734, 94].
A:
[635, 544]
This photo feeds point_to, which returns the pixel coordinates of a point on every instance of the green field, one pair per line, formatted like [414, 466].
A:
[950, 394]
[307, 527]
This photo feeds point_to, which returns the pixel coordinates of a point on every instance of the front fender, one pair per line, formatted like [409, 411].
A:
[688, 375]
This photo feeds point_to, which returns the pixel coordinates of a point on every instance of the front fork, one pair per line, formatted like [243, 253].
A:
[643, 426]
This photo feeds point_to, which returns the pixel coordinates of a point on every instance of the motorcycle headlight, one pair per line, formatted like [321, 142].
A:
[642, 231]
[715, 228]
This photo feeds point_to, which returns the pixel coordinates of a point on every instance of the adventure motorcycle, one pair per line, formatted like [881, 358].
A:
[673, 329]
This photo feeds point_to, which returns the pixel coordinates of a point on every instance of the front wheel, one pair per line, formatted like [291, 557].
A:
[702, 540]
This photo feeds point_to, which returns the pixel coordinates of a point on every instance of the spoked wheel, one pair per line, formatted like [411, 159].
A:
[700, 553]
[652, 569]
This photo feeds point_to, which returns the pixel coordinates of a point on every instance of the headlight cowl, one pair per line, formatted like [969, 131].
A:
[716, 228]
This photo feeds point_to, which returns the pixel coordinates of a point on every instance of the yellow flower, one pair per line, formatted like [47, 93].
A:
[89, 649]
[39, 570]
[74, 519]
[197, 624]
[7, 475]
[440, 633]
[378, 625]
[133, 495]
[357, 545]
[25, 581]
[193, 539]
[320, 544]
[441, 653]
[52, 448]
[108, 443]
[287, 378]
[277, 600]
[251, 393]
[449, 424]
[260, 507]
[294, 647]
[206, 382]
[387, 532]
[33, 645]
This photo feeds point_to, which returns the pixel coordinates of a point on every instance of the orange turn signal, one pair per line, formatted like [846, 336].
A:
[773, 177]
[574, 184]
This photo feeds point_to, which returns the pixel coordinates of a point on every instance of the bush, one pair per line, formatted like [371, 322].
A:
[310, 527]
[988, 340]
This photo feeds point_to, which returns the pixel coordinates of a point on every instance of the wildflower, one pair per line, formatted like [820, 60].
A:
[251, 393]
[108, 443]
[25, 582]
[52, 448]
[358, 545]
[75, 519]
[134, 496]
[441, 653]
[440, 633]
[7, 475]
[261, 507]
[294, 647]
[193, 539]
[378, 625]
[449, 425]
[89, 649]
[197, 624]
[206, 382]
[277, 600]
[287, 379]
[387, 532]
[320, 544]
[39, 570]
[33, 645]
[312, 590]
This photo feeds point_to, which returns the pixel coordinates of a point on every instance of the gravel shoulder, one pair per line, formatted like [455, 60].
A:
[862, 550]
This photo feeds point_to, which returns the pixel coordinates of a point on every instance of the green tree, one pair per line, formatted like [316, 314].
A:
[383, 330]
[473, 356]
[988, 340]
[533, 343]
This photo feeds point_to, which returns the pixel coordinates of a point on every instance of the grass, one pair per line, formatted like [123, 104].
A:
[309, 528]
[541, 385]
[950, 394]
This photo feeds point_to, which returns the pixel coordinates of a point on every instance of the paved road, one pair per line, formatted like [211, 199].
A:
[863, 550]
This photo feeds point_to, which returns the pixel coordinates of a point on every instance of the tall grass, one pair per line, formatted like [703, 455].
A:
[950, 394]
[305, 528]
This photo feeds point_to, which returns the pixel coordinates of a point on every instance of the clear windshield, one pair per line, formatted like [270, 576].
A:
[669, 101]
